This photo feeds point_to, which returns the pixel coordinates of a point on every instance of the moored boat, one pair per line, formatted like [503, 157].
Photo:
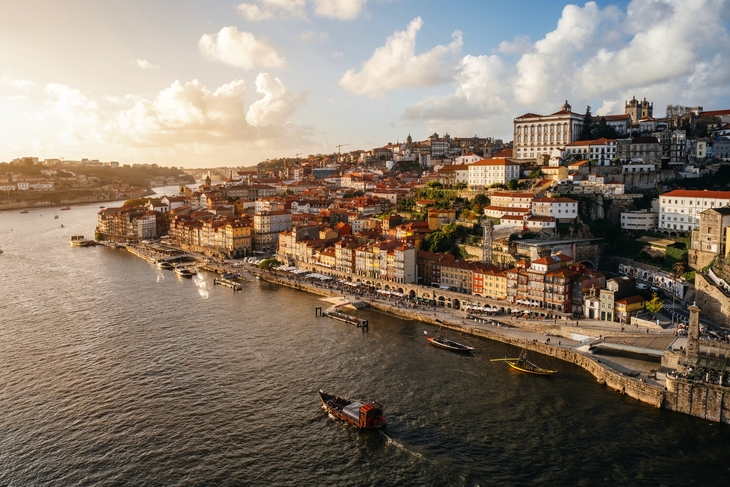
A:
[185, 272]
[523, 364]
[165, 265]
[365, 415]
[24, 211]
[66, 208]
[440, 341]
[80, 241]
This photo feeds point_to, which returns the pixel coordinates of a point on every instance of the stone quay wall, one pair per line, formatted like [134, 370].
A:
[632, 387]
[712, 300]
[699, 399]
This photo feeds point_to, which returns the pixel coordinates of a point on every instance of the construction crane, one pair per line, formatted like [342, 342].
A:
[298, 154]
[340, 146]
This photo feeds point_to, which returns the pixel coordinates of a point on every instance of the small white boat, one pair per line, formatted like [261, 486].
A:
[185, 272]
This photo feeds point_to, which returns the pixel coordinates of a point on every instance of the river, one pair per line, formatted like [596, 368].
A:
[114, 372]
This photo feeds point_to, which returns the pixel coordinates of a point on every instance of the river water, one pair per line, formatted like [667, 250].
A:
[113, 372]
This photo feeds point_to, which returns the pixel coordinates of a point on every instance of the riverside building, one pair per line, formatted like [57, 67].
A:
[679, 210]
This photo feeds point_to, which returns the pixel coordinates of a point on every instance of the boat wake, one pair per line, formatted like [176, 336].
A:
[399, 445]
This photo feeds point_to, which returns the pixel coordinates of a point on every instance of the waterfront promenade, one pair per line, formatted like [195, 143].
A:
[554, 337]
[557, 338]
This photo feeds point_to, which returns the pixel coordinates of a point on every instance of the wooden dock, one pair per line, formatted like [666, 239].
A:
[236, 286]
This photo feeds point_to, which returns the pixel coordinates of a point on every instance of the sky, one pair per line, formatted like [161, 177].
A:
[208, 83]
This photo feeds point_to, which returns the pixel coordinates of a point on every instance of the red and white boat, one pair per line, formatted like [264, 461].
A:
[366, 415]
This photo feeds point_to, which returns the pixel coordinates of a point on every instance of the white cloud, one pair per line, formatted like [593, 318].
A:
[145, 64]
[519, 45]
[270, 9]
[395, 65]
[253, 12]
[275, 107]
[547, 69]
[240, 49]
[70, 105]
[338, 55]
[22, 84]
[311, 36]
[183, 122]
[599, 57]
[339, 9]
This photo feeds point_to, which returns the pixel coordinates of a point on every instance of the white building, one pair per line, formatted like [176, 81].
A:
[639, 220]
[638, 167]
[511, 199]
[540, 223]
[147, 226]
[602, 150]
[535, 135]
[501, 211]
[267, 226]
[490, 171]
[555, 207]
[469, 158]
[454, 173]
[680, 209]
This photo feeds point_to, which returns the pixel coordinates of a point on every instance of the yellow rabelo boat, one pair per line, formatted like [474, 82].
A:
[522, 364]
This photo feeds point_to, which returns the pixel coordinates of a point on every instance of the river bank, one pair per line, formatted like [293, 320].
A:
[635, 383]
[636, 376]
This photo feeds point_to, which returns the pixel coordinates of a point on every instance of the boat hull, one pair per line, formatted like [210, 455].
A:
[335, 405]
[448, 345]
[530, 370]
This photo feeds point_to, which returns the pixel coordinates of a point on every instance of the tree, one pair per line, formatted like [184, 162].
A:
[654, 305]
[512, 184]
[468, 215]
[705, 125]
[136, 202]
[481, 199]
[585, 131]
[679, 267]
[460, 186]
[535, 174]
[434, 185]
[603, 129]
[268, 264]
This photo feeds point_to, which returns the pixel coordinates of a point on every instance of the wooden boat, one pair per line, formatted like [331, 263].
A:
[523, 364]
[440, 341]
[80, 241]
[24, 211]
[185, 272]
[66, 208]
[365, 415]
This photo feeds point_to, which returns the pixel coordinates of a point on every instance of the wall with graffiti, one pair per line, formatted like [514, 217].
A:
[662, 280]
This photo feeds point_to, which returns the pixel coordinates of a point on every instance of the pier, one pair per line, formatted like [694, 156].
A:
[345, 318]
[222, 281]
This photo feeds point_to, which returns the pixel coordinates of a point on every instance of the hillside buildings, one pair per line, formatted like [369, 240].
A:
[536, 135]
[679, 210]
